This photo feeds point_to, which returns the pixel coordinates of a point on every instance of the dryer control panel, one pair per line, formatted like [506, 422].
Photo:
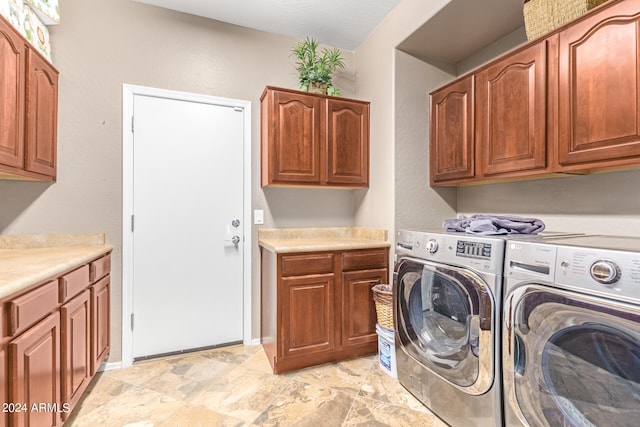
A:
[609, 273]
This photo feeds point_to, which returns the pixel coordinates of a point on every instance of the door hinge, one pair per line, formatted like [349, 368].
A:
[131, 124]
[238, 109]
[132, 321]
[132, 221]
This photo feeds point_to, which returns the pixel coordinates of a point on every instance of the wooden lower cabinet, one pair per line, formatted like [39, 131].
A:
[100, 321]
[358, 308]
[34, 375]
[55, 337]
[3, 377]
[76, 347]
[317, 307]
[308, 314]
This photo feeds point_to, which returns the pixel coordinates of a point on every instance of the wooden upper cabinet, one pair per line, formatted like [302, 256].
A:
[313, 140]
[42, 116]
[599, 91]
[28, 109]
[451, 149]
[511, 114]
[291, 132]
[347, 142]
[12, 87]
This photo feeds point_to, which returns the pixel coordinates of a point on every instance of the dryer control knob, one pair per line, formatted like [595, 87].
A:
[432, 246]
[605, 272]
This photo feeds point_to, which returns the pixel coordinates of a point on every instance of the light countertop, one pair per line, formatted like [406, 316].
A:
[28, 259]
[285, 240]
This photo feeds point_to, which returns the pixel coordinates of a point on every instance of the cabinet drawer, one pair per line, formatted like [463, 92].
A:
[73, 283]
[26, 310]
[299, 265]
[361, 260]
[100, 268]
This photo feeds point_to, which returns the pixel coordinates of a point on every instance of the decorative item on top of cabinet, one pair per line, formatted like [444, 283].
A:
[29, 88]
[599, 89]
[313, 140]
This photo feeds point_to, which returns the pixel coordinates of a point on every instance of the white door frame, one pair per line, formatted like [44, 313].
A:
[128, 93]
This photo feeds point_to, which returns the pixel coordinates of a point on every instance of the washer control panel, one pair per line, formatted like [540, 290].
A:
[485, 254]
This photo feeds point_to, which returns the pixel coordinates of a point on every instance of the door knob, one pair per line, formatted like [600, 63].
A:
[235, 239]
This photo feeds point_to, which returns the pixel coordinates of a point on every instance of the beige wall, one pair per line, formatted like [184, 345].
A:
[101, 45]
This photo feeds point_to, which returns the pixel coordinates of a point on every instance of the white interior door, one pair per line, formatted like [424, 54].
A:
[187, 205]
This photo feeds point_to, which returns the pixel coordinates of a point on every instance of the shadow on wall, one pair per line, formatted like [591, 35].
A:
[16, 197]
[611, 193]
[310, 207]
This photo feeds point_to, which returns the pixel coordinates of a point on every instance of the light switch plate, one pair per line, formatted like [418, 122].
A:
[258, 216]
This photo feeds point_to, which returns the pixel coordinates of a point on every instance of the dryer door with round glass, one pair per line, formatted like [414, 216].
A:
[571, 359]
[445, 322]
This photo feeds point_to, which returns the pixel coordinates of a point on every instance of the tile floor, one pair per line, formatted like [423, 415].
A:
[234, 386]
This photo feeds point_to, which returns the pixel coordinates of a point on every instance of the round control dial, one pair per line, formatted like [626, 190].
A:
[606, 272]
[432, 246]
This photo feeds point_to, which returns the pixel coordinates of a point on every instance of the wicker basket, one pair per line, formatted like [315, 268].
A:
[542, 16]
[383, 298]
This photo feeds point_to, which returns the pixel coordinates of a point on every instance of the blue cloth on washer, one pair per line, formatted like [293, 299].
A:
[494, 224]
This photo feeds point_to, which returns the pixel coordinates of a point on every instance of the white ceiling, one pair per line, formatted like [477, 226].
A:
[340, 23]
[459, 29]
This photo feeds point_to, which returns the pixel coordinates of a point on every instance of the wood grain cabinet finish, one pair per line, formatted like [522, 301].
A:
[599, 89]
[12, 95]
[313, 140]
[567, 103]
[28, 110]
[76, 348]
[347, 143]
[42, 116]
[322, 313]
[100, 322]
[358, 307]
[307, 307]
[35, 374]
[54, 336]
[511, 105]
[452, 146]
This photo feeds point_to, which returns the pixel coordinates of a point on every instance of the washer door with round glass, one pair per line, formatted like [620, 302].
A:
[445, 322]
[571, 359]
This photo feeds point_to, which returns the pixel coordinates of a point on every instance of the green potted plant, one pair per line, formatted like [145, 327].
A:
[315, 69]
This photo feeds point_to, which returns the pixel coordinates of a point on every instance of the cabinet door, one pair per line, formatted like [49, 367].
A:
[42, 116]
[511, 114]
[358, 307]
[35, 374]
[293, 125]
[100, 323]
[12, 89]
[347, 143]
[451, 148]
[3, 384]
[76, 348]
[599, 89]
[308, 314]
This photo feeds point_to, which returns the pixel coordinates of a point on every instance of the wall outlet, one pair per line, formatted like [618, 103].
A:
[258, 216]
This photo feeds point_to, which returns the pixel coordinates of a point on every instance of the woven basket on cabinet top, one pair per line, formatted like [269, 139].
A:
[383, 298]
[542, 16]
